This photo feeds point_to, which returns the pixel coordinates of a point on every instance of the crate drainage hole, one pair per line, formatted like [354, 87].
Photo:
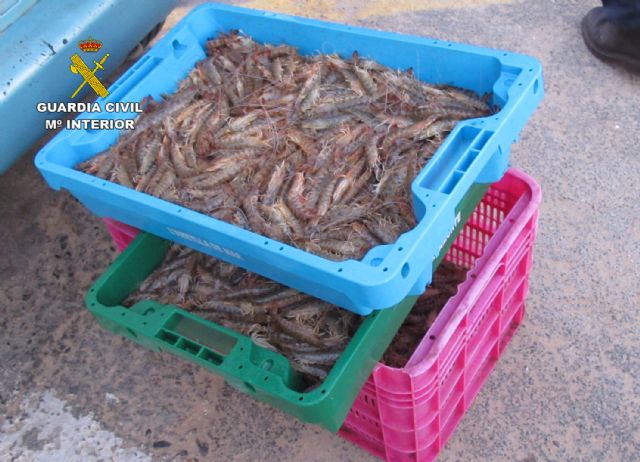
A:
[405, 270]
[376, 262]
[178, 48]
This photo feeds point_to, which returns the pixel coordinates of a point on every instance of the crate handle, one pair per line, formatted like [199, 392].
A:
[181, 50]
[130, 80]
[246, 364]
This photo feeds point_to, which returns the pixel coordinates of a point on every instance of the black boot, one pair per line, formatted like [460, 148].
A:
[609, 42]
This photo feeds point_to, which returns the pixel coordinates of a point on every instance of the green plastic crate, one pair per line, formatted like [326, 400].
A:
[259, 372]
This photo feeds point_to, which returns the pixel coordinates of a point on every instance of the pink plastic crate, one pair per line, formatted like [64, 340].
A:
[121, 234]
[408, 414]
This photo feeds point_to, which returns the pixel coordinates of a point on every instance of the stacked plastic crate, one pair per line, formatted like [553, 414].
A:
[397, 414]
[408, 414]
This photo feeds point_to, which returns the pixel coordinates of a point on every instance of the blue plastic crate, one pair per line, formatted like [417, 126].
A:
[475, 153]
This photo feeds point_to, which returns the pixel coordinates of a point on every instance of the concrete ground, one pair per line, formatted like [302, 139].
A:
[567, 388]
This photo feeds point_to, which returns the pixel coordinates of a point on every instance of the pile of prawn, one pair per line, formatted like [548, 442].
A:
[446, 280]
[314, 151]
[310, 333]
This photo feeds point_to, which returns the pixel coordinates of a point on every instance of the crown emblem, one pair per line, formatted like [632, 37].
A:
[90, 45]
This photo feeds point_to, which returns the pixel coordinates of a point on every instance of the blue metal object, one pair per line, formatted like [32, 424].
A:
[38, 37]
[477, 151]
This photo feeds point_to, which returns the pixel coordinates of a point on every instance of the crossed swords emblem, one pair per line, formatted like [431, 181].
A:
[78, 66]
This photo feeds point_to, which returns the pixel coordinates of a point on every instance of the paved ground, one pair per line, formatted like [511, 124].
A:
[567, 389]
